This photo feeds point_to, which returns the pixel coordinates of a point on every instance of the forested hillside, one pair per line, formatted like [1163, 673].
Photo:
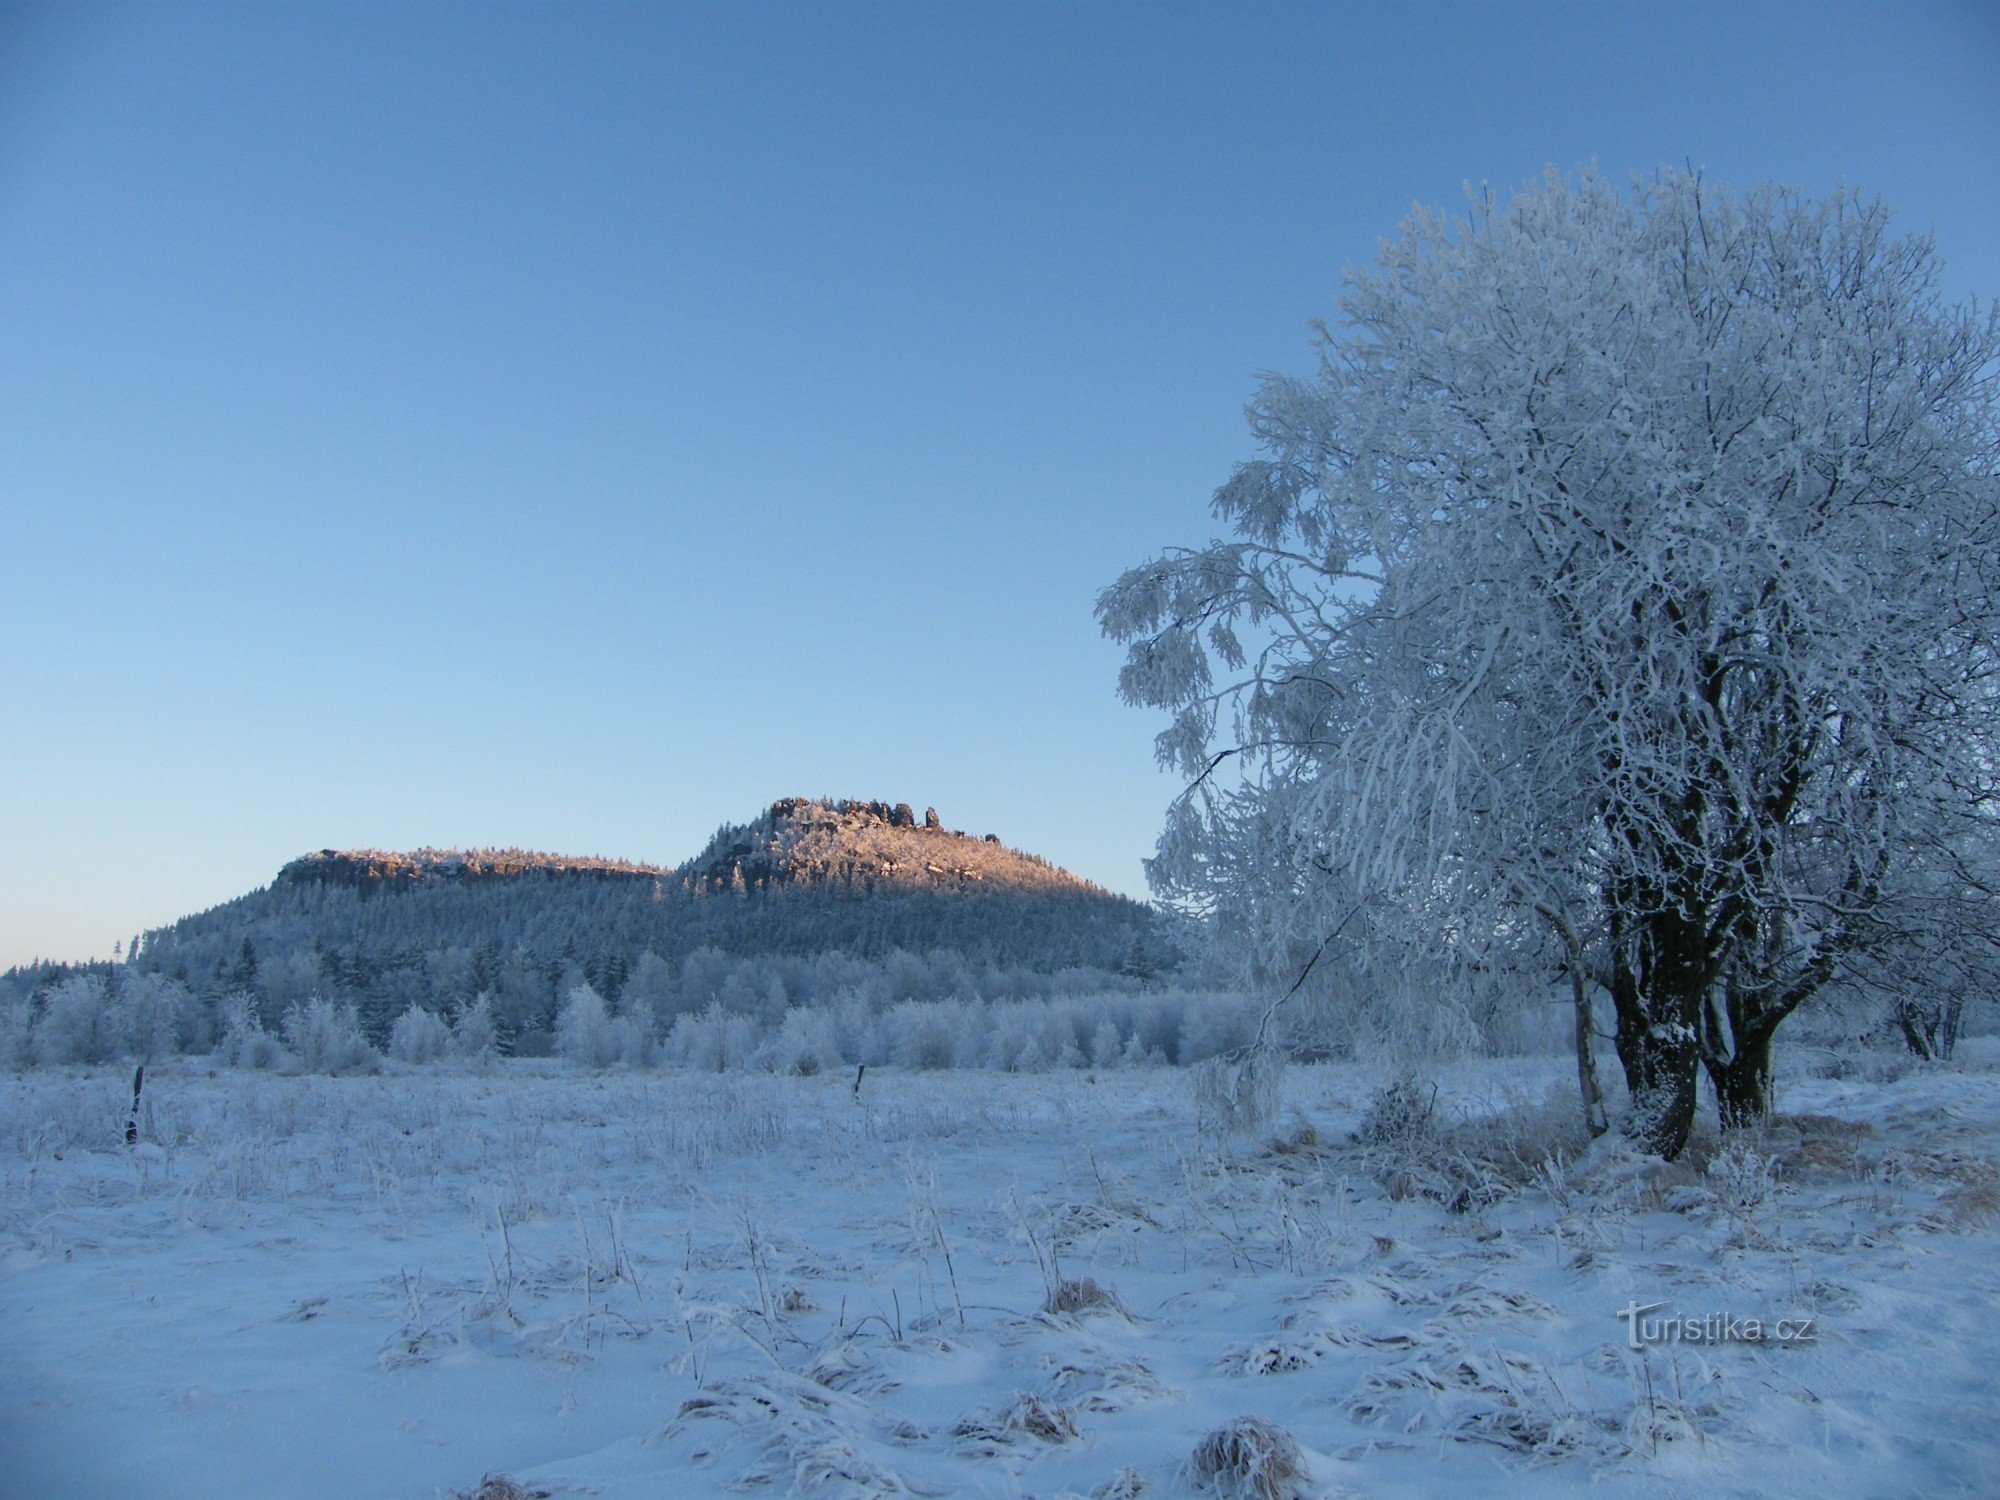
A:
[812, 901]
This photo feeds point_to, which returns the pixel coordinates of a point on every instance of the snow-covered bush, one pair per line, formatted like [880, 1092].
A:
[244, 1043]
[1106, 1049]
[155, 1015]
[1401, 1117]
[925, 1035]
[807, 1043]
[1210, 1030]
[475, 1039]
[1239, 1093]
[16, 1018]
[585, 1032]
[419, 1036]
[714, 1041]
[326, 1038]
[79, 1023]
[1097, 1029]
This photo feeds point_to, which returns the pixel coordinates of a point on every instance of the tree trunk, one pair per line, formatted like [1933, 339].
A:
[1663, 1089]
[1930, 1027]
[1743, 1081]
[1661, 1062]
[1656, 991]
[1595, 1120]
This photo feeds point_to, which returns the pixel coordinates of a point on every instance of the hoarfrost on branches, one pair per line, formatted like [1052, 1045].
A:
[1624, 581]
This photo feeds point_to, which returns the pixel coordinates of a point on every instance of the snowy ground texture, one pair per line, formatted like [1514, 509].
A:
[969, 1284]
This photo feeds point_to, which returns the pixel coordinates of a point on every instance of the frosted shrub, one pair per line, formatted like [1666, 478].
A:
[694, 1040]
[1216, 1026]
[850, 1022]
[1054, 1040]
[153, 1014]
[1156, 1028]
[1238, 1093]
[584, 1030]
[925, 1036]
[244, 1042]
[326, 1038]
[1135, 1054]
[806, 1044]
[1400, 1116]
[633, 1035]
[15, 1018]
[1102, 1029]
[475, 1039]
[78, 1023]
[1741, 1179]
[714, 1041]
[419, 1036]
[1106, 1050]
[1031, 1036]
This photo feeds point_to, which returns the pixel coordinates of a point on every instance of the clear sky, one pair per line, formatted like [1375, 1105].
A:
[574, 426]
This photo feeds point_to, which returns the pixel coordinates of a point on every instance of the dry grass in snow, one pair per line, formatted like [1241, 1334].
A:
[539, 1281]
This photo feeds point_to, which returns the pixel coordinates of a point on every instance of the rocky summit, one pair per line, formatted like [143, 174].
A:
[802, 841]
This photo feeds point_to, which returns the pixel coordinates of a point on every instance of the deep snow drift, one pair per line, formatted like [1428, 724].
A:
[647, 1284]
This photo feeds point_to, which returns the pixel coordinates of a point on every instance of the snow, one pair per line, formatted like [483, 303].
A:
[395, 1285]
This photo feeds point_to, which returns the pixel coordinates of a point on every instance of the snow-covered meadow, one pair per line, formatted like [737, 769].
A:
[958, 1283]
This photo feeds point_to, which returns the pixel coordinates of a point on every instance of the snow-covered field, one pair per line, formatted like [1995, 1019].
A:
[975, 1284]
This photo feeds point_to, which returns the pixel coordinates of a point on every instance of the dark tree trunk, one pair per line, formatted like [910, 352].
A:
[1663, 1089]
[1656, 992]
[1743, 1081]
[1930, 1027]
[1740, 1022]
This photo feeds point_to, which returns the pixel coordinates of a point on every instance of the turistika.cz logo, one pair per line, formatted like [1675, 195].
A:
[1711, 1328]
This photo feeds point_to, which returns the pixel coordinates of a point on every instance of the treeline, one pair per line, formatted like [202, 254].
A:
[877, 1014]
[525, 939]
[162, 995]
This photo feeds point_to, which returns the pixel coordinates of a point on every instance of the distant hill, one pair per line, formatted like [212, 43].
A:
[810, 897]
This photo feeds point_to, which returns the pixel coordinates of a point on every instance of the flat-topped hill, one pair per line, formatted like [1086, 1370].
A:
[806, 880]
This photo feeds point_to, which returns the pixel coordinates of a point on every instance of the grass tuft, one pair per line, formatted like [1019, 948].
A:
[1249, 1459]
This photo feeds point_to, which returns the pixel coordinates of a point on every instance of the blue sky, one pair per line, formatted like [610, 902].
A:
[575, 426]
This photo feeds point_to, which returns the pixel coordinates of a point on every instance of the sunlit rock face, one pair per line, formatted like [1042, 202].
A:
[804, 841]
[372, 868]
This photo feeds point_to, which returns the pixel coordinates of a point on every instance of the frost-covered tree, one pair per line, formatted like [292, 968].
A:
[155, 1016]
[585, 1032]
[1625, 581]
[243, 1042]
[807, 1043]
[650, 991]
[419, 1036]
[588, 1032]
[324, 1036]
[17, 1017]
[80, 1023]
[475, 1039]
